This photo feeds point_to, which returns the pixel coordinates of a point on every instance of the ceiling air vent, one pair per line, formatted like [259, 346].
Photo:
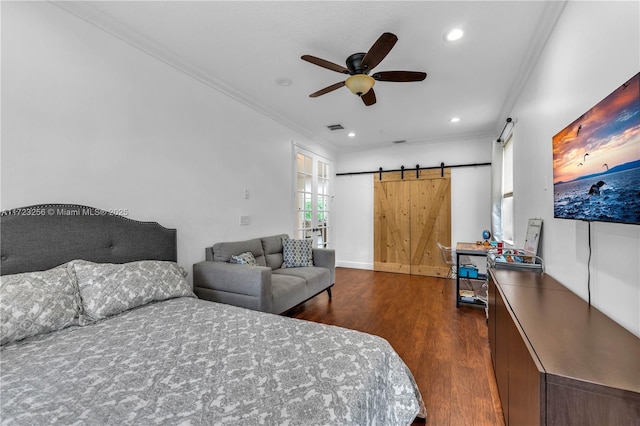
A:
[335, 127]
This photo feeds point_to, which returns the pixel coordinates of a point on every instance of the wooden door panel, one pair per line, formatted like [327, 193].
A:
[430, 223]
[392, 227]
[412, 213]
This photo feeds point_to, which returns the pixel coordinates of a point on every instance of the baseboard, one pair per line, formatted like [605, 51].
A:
[354, 265]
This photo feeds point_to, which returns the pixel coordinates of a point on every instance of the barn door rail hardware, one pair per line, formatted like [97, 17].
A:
[403, 169]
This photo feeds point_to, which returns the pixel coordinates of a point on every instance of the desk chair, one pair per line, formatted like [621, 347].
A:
[449, 257]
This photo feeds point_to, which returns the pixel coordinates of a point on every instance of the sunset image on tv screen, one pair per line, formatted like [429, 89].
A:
[596, 161]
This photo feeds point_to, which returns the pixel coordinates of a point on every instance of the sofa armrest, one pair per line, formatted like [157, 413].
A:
[325, 258]
[233, 278]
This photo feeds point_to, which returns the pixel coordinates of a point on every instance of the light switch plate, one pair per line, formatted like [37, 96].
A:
[244, 220]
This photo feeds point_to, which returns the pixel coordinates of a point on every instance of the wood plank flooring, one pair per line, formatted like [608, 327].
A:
[446, 349]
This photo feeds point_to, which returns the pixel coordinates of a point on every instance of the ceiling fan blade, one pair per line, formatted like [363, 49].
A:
[369, 98]
[379, 50]
[325, 64]
[327, 90]
[400, 76]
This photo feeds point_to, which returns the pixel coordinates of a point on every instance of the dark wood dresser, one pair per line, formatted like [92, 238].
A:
[558, 361]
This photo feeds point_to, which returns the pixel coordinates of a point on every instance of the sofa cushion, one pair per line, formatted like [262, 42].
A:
[272, 247]
[222, 252]
[296, 253]
[287, 291]
[317, 278]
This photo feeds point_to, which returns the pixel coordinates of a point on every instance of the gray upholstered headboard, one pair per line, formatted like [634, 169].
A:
[43, 236]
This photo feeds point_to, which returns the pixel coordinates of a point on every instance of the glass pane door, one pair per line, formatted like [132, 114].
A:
[313, 198]
[304, 193]
[322, 208]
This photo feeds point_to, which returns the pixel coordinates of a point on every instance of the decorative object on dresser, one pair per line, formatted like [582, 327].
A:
[524, 259]
[288, 272]
[557, 360]
[158, 354]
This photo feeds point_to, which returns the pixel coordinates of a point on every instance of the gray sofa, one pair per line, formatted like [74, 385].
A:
[267, 287]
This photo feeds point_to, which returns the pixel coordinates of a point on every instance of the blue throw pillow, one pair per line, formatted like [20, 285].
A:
[245, 258]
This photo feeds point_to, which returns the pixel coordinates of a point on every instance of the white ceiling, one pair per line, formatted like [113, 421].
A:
[241, 48]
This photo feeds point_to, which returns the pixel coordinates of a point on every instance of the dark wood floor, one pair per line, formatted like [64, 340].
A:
[446, 348]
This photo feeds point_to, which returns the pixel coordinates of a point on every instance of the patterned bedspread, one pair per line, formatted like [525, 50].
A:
[188, 361]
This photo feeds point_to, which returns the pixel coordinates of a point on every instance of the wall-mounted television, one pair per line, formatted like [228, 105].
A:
[596, 161]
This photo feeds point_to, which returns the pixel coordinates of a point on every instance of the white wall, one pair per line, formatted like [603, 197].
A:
[594, 48]
[88, 119]
[470, 192]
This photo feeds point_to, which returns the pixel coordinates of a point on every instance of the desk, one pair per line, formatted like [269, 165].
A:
[468, 249]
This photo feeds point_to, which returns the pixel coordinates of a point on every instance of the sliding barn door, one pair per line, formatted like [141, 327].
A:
[411, 215]
[392, 225]
[430, 222]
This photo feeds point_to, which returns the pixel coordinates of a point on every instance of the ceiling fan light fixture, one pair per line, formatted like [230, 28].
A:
[359, 84]
[359, 65]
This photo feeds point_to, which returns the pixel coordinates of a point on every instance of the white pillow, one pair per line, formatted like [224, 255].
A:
[108, 289]
[39, 302]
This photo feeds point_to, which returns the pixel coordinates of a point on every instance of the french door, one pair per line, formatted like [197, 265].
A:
[313, 197]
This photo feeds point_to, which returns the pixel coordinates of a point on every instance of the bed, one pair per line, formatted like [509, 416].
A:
[142, 349]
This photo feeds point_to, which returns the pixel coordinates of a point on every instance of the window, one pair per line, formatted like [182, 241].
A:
[313, 198]
[507, 192]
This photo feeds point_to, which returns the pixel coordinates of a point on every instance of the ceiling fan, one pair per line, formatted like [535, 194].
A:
[359, 65]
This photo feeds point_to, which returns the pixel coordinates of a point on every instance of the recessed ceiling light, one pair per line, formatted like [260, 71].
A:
[454, 34]
[284, 82]
[351, 135]
[454, 119]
